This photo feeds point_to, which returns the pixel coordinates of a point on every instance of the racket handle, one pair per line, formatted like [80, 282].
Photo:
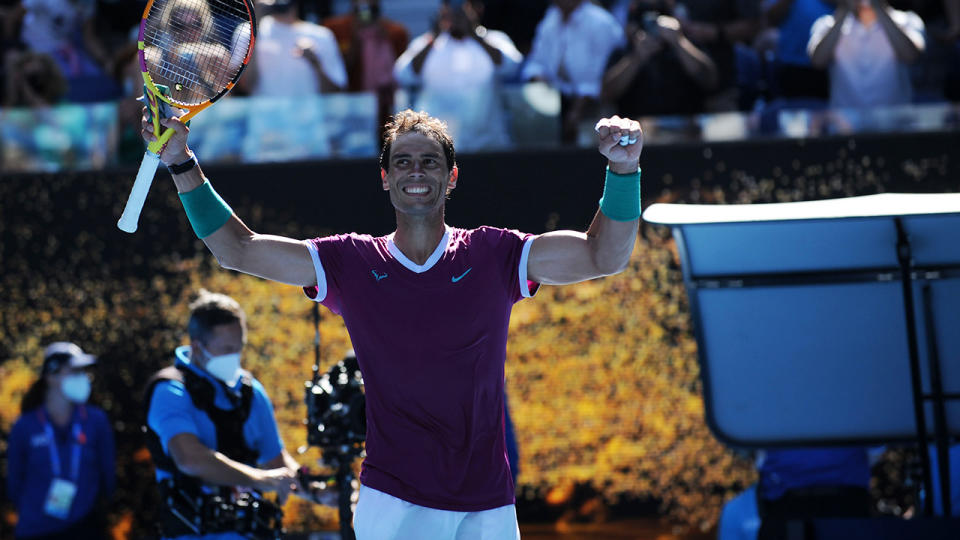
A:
[138, 195]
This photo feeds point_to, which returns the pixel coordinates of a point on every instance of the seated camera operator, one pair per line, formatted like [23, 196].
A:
[210, 424]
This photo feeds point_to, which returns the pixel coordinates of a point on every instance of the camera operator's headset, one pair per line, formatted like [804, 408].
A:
[189, 509]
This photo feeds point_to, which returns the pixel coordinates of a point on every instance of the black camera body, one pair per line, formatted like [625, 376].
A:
[193, 511]
[336, 409]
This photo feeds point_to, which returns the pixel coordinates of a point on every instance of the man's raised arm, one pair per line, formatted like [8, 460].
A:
[233, 244]
[561, 257]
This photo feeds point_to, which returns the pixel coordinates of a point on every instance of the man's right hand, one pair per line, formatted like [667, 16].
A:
[281, 480]
[175, 151]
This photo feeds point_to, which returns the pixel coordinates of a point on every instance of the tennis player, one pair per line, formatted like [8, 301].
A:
[427, 308]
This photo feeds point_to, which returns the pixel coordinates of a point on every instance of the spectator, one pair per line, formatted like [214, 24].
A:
[794, 75]
[33, 80]
[716, 26]
[458, 68]
[64, 29]
[570, 51]
[661, 72]
[799, 484]
[370, 44]
[292, 57]
[868, 46]
[61, 453]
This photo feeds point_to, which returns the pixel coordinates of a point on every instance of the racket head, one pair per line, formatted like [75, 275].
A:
[196, 48]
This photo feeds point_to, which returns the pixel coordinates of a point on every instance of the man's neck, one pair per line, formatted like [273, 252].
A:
[59, 408]
[565, 15]
[289, 17]
[418, 237]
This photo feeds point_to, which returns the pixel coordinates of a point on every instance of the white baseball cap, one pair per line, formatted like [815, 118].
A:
[62, 353]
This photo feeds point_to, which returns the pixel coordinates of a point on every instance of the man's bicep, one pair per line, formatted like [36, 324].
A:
[185, 448]
[560, 257]
[276, 258]
[169, 415]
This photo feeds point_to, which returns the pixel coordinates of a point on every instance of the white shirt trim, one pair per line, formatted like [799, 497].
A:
[321, 274]
[428, 264]
[524, 257]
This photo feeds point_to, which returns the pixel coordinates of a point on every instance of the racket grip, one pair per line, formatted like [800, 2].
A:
[138, 194]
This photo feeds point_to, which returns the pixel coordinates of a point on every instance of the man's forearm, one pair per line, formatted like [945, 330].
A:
[209, 216]
[611, 238]
[496, 55]
[611, 242]
[741, 30]
[189, 180]
[821, 53]
[903, 46]
[324, 82]
[215, 468]
[417, 63]
[696, 63]
[619, 76]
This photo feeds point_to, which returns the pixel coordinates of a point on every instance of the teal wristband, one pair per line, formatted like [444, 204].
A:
[621, 196]
[206, 211]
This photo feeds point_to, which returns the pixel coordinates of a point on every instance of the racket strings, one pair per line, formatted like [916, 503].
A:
[196, 47]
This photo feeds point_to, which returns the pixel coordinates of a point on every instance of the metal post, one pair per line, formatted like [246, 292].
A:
[904, 258]
[939, 408]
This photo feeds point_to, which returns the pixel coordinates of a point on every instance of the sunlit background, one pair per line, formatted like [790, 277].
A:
[602, 377]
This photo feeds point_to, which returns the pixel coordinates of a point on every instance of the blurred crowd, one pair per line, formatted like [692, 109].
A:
[635, 58]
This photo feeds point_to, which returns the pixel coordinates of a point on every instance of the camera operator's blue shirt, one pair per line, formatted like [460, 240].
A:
[172, 412]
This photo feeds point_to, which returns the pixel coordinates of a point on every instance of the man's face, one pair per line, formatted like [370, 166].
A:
[223, 339]
[366, 10]
[418, 178]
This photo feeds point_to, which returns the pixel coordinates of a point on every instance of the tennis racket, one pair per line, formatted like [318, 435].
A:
[195, 51]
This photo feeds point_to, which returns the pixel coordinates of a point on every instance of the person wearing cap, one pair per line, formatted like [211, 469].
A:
[210, 424]
[61, 452]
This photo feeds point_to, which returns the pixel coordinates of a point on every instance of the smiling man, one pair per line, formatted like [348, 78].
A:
[428, 308]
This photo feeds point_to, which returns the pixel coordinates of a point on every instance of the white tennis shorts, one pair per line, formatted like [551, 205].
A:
[380, 516]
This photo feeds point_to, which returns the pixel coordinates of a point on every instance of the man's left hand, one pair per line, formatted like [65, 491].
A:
[611, 131]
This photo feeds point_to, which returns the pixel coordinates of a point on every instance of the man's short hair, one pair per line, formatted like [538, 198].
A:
[419, 122]
[214, 309]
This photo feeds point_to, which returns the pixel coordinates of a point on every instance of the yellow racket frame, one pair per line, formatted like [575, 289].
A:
[153, 93]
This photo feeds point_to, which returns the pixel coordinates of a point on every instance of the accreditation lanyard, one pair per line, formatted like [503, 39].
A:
[78, 439]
